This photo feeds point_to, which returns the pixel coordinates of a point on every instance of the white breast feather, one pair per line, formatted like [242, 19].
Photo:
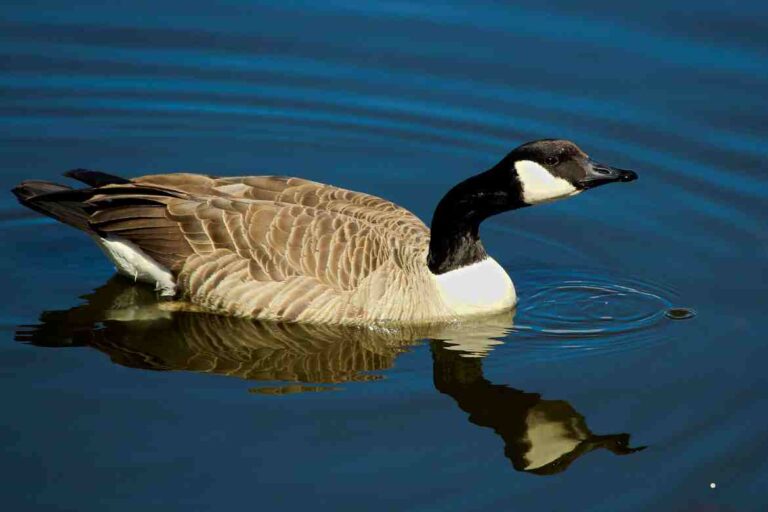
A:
[539, 185]
[131, 261]
[483, 287]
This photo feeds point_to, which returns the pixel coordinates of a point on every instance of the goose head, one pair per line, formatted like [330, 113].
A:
[550, 169]
[537, 172]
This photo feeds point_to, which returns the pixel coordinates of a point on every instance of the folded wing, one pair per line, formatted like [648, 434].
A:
[268, 247]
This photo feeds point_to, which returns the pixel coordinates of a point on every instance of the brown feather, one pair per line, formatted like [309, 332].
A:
[274, 247]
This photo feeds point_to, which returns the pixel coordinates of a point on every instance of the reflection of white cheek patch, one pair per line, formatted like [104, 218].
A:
[539, 185]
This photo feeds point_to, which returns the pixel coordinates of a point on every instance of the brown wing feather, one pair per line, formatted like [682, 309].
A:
[270, 247]
[294, 191]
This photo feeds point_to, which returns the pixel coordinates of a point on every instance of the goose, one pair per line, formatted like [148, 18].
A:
[293, 250]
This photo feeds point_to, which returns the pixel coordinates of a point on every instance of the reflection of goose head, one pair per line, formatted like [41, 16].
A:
[129, 324]
[540, 436]
[556, 435]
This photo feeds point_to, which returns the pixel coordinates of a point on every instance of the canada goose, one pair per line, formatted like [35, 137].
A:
[288, 249]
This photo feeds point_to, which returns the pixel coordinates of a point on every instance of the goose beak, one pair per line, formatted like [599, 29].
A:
[600, 174]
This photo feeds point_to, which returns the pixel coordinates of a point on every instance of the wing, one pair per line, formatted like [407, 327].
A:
[277, 248]
[294, 191]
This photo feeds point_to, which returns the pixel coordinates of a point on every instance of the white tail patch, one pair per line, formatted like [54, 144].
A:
[482, 287]
[539, 185]
[131, 261]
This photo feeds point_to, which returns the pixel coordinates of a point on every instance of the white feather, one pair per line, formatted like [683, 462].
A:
[482, 287]
[131, 261]
[539, 185]
[234, 189]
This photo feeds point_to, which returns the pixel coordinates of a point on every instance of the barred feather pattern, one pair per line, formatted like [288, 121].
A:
[277, 248]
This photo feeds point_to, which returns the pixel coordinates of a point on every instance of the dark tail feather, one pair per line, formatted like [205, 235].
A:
[95, 178]
[58, 201]
[31, 188]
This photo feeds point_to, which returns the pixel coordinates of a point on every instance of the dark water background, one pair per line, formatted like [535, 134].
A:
[400, 100]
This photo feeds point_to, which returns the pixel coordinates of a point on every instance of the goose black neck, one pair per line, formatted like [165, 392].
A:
[455, 232]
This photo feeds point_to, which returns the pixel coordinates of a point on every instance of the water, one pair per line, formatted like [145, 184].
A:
[623, 408]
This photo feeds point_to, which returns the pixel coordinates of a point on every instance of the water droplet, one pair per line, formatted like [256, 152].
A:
[680, 313]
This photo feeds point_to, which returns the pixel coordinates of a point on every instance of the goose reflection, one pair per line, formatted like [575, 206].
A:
[540, 436]
[134, 329]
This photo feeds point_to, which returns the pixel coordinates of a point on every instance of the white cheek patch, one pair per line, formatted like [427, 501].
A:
[539, 185]
[550, 439]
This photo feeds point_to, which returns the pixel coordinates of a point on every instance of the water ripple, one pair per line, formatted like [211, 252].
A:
[570, 313]
[565, 28]
[291, 68]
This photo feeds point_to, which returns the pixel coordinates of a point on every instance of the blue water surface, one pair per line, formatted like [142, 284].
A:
[590, 398]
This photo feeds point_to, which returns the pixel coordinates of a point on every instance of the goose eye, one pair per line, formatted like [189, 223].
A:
[552, 160]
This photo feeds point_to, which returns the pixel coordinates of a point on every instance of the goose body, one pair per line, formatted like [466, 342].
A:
[289, 249]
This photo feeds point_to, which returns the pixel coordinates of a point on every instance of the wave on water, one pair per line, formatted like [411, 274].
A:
[570, 313]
